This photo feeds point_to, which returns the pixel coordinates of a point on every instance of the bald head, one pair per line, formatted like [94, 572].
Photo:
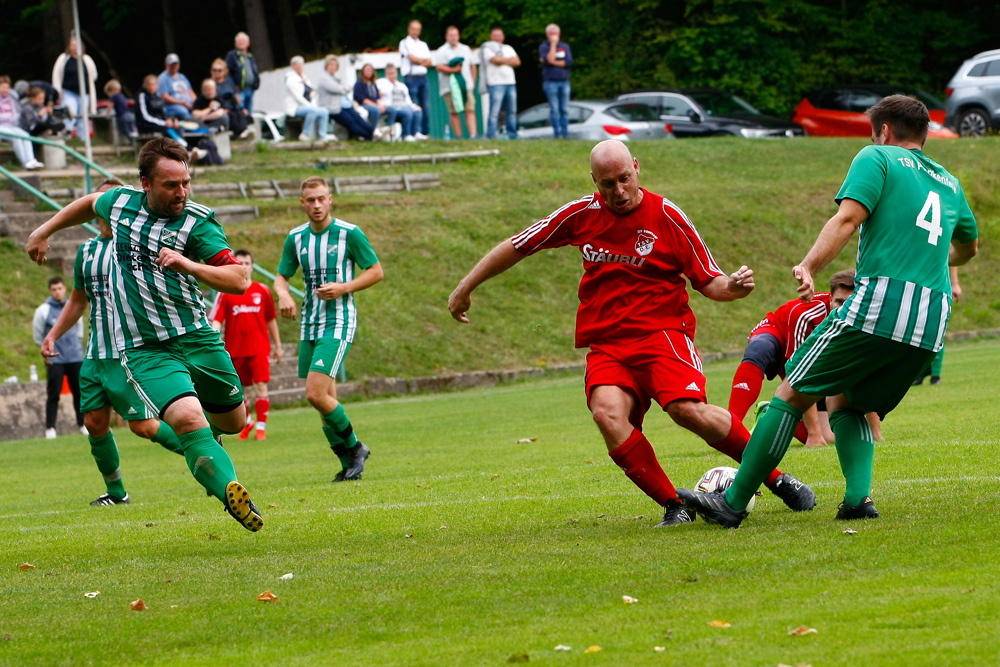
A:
[616, 175]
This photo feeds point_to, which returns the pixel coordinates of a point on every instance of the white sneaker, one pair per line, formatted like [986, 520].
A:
[410, 138]
[34, 164]
[50, 434]
[377, 134]
[419, 136]
[83, 430]
[246, 133]
[328, 138]
[197, 154]
[305, 137]
[397, 131]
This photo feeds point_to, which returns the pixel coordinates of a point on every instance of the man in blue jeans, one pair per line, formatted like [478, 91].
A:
[415, 58]
[499, 61]
[556, 59]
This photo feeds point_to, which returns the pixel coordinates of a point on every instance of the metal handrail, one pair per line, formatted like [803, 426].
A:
[44, 198]
[270, 276]
[87, 164]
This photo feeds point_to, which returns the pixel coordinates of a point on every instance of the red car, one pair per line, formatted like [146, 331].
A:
[840, 112]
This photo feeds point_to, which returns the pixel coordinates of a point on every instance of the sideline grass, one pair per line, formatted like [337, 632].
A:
[515, 548]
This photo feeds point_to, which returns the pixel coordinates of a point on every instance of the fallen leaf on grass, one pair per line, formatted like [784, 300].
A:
[409, 536]
[719, 624]
[495, 476]
[592, 649]
[267, 596]
[213, 537]
[641, 516]
[518, 657]
[628, 599]
[443, 527]
[800, 664]
[850, 531]
[27, 566]
[802, 630]
[183, 512]
[273, 506]
[601, 516]
[139, 605]
[286, 577]
[563, 647]
[659, 649]
[5, 637]
[92, 594]
[524, 441]
[150, 524]
[971, 590]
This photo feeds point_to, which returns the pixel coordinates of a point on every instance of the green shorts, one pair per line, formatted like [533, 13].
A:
[323, 355]
[195, 364]
[873, 372]
[103, 381]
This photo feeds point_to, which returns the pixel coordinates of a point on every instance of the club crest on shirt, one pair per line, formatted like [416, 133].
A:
[256, 299]
[644, 244]
[168, 237]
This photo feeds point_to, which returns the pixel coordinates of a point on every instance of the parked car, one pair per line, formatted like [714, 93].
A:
[973, 94]
[596, 121]
[705, 112]
[840, 111]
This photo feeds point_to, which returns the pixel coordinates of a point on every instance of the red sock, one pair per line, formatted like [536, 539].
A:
[246, 405]
[734, 444]
[801, 433]
[746, 389]
[263, 405]
[636, 457]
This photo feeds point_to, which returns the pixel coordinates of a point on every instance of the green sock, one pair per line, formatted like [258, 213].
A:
[856, 450]
[937, 363]
[765, 450]
[337, 445]
[208, 461]
[105, 453]
[166, 438]
[337, 418]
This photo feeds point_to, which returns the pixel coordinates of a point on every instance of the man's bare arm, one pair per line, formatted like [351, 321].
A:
[730, 288]
[496, 261]
[74, 213]
[370, 276]
[229, 278]
[286, 304]
[960, 253]
[70, 315]
[832, 239]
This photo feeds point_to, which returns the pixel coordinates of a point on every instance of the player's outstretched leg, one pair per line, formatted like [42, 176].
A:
[856, 451]
[352, 452]
[104, 449]
[637, 459]
[747, 382]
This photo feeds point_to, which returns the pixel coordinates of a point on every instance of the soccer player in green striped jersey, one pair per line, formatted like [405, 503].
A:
[103, 384]
[337, 260]
[175, 361]
[914, 222]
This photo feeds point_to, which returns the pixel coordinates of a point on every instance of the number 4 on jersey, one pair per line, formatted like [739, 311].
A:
[933, 225]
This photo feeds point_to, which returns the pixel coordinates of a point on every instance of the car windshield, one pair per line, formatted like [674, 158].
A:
[929, 101]
[632, 112]
[716, 103]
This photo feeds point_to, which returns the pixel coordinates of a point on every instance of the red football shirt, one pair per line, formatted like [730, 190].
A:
[794, 321]
[633, 265]
[245, 317]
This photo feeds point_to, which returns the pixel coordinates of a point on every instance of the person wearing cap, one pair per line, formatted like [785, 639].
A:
[175, 89]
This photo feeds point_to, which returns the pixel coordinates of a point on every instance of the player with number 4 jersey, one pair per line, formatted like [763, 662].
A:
[914, 222]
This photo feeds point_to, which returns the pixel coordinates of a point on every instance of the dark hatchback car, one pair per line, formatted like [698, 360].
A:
[706, 112]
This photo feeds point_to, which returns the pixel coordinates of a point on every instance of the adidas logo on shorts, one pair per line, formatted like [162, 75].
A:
[132, 411]
[320, 364]
[234, 391]
[692, 387]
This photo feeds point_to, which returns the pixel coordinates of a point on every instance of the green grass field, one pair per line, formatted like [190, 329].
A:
[462, 546]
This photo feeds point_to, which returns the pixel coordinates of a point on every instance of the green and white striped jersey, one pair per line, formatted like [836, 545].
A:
[915, 210]
[154, 304]
[92, 273]
[325, 257]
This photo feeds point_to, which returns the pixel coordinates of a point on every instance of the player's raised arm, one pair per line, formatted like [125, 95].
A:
[226, 278]
[832, 239]
[496, 261]
[74, 213]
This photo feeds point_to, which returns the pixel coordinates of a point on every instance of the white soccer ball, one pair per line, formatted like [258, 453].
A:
[717, 480]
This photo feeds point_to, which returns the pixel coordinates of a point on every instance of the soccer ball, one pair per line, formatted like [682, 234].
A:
[717, 480]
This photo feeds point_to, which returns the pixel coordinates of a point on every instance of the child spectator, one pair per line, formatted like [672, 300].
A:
[124, 117]
[36, 115]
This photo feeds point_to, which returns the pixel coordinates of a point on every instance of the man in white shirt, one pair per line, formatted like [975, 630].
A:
[499, 61]
[394, 94]
[415, 57]
[457, 82]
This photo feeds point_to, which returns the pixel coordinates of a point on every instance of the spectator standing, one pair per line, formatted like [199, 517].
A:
[415, 58]
[175, 89]
[333, 95]
[65, 79]
[395, 97]
[36, 115]
[10, 119]
[152, 118]
[499, 61]
[67, 360]
[367, 95]
[247, 321]
[457, 82]
[556, 59]
[300, 101]
[226, 93]
[123, 115]
[243, 71]
[208, 109]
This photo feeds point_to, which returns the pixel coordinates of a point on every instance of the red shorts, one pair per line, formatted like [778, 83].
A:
[664, 367]
[253, 369]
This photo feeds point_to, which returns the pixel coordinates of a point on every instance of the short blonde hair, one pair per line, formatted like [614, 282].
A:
[112, 87]
[328, 60]
[314, 182]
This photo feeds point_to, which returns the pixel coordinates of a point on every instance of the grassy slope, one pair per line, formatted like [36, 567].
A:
[759, 203]
[515, 548]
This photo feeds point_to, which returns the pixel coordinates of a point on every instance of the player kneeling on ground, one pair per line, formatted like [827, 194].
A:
[328, 250]
[172, 357]
[634, 316]
[865, 356]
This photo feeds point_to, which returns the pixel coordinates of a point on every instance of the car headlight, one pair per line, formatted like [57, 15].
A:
[749, 133]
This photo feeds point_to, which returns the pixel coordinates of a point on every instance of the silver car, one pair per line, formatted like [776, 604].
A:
[973, 96]
[596, 121]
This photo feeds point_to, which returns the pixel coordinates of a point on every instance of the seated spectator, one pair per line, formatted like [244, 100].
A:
[226, 93]
[52, 95]
[175, 89]
[65, 79]
[123, 115]
[366, 94]
[152, 117]
[395, 97]
[300, 101]
[333, 95]
[36, 116]
[208, 110]
[10, 116]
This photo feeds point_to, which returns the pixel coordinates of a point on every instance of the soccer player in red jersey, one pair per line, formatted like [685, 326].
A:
[634, 316]
[246, 322]
[772, 343]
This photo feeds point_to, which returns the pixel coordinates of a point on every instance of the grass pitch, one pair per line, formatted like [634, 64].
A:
[463, 546]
